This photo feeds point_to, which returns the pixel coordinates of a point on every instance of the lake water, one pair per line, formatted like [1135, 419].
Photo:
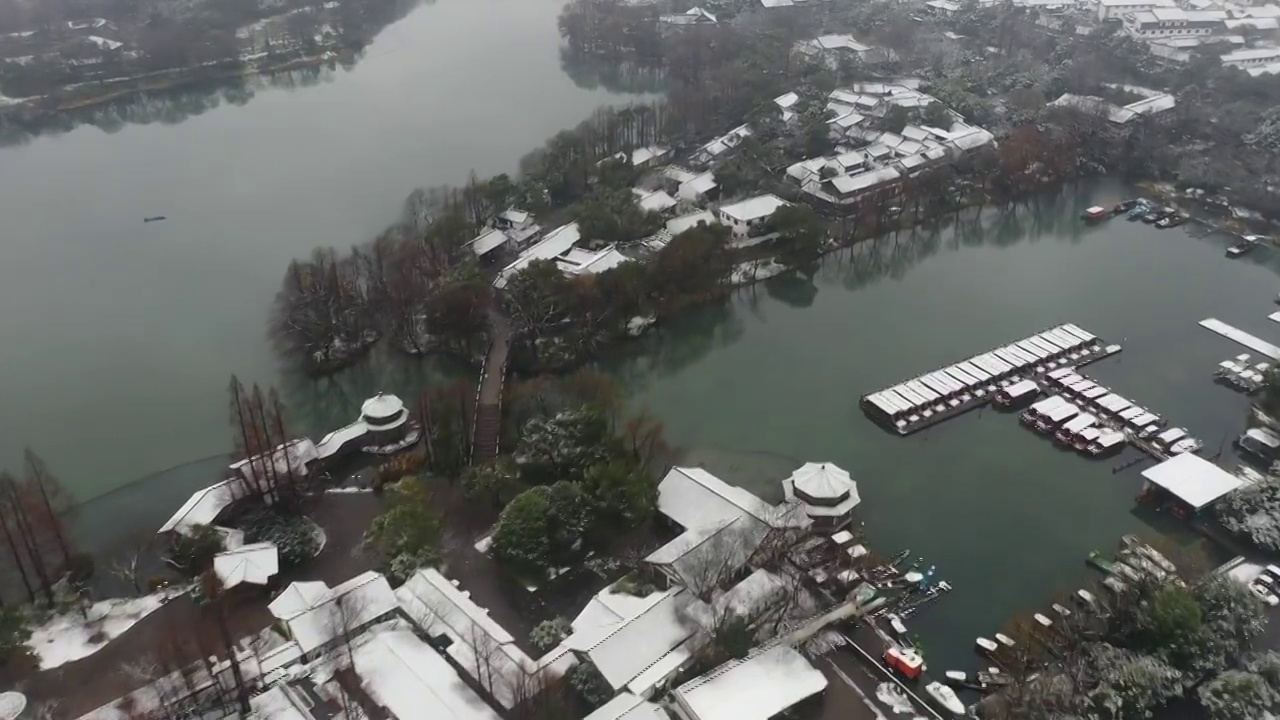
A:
[119, 336]
[773, 380]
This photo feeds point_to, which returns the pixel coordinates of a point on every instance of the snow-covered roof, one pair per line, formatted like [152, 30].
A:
[556, 243]
[691, 17]
[629, 707]
[679, 174]
[729, 140]
[104, 43]
[514, 216]
[787, 100]
[404, 675]
[488, 242]
[204, 506]
[755, 208]
[675, 226]
[437, 606]
[382, 406]
[694, 498]
[756, 688]
[608, 608]
[588, 262]
[848, 184]
[255, 564]
[1251, 55]
[697, 186]
[331, 443]
[823, 480]
[749, 596]
[280, 703]
[702, 556]
[314, 618]
[642, 156]
[1192, 479]
[837, 42]
[654, 201]
[295, 455]
[624, 650]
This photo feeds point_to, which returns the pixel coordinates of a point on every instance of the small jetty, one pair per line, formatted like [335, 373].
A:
[1078, 405]
[929, 399]
[1255, 344]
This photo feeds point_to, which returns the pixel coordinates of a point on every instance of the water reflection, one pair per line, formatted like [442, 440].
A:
[617, 77]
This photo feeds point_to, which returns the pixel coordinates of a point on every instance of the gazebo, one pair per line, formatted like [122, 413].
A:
[387, 419]
[826, 492]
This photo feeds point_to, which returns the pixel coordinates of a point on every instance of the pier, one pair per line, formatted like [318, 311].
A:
[927, 400]
[1255, 344]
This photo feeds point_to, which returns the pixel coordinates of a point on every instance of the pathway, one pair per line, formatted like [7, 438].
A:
[488, 427]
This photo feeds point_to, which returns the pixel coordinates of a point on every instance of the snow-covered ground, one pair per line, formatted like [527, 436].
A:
[70, 637]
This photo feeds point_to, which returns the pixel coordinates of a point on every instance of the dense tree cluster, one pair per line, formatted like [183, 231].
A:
[1253, 512]
[293, 535]
[575, 488]
[1158, 641]
[38, 550]
[406, 536]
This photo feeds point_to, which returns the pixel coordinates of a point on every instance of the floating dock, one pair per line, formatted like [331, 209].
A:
[1255, 344]
[929, 399]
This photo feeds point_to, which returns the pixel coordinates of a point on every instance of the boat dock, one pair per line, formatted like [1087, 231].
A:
[1141, 427]
[1255, 344]
[929, 399]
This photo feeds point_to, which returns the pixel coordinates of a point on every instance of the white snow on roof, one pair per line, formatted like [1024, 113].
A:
[295, 454]
[314, 619]
[104, 43]
[675, 226]
[760, 206]
[1192, 479]
[412, 681]
[488, 242]
[756, 688]
[556, 243]
[655, 201]
[204, 506]
[588, 262]
[629, 707]
[693, 497]
[626, 649]
[608, 608]
[702, 555]
[822, 480]
[848, 184]
[787, 100]
[749, 596]
[641, 156]
[437, 606]
[697, 186]
[514, 216]
[679, 174]
[279, 703]
[255, 564]
[382, 406]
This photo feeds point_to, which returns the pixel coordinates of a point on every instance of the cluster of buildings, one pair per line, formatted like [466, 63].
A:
[427, 651]
[384, 427]
[1149, 103]
[868, 163]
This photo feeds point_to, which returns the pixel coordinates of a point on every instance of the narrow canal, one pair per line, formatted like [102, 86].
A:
[773, 380]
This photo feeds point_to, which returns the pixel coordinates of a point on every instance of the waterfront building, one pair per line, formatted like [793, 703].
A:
[694, 16]
[1173, 22]
[746, 216]
[387, 419]
[1188, 482]
[831, 50]
[722, 527]
[488, 243]
[763, 685]
[826, 492]
[1108, 9]
[1252, 57]
[1151, 103]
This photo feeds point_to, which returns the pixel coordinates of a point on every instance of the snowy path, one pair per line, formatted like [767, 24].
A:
[69, 637]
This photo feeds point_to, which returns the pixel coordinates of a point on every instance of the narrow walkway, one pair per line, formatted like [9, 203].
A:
[488, 426]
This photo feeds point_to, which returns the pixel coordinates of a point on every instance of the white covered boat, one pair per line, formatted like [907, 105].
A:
[986, 645]
[1005, 640]
[1043, 620]
[1166, 439]
[1087, 598]
[946, 697]
[1110, 441]
[1061, 610]
[1185, 445]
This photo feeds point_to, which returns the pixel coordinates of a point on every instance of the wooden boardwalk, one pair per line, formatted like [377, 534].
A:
[487, 428]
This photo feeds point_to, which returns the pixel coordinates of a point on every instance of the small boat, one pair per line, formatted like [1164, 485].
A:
[1185, 445]
[1062, 611]
[1097, 560]
[1135, 560]
[1124, 206]
[896, 560]
[1043, 620]
[1067, 434]
[946, 697]
[1111, 441]
[154, 218]
[1140, 208]
[1087, 598]
[1050, 421]
[1097, 212]
[1005, 640]
[1156, 215]
[1115, 585]
[986, 645]
[1172, 221]
[1156, 557]
[1085, 438]
[1016, 395]
[1166, 439]
[1246, 245]
[1126, 571]
[896, 623]
[993, 677]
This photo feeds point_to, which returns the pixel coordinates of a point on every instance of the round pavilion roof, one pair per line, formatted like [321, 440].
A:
[823, 480]
[381, 407]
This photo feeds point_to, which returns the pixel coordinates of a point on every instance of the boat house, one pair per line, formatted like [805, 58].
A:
[1189, 482]
[761, 686]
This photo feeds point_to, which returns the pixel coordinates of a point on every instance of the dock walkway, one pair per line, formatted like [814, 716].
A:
[1255, 344]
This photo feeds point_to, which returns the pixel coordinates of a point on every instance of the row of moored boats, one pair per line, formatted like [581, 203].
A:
[1088, 417]
[1136, 561]
[916, 401]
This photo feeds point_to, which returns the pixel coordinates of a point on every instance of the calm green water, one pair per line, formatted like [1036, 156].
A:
[119, 337]
[773, 380]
